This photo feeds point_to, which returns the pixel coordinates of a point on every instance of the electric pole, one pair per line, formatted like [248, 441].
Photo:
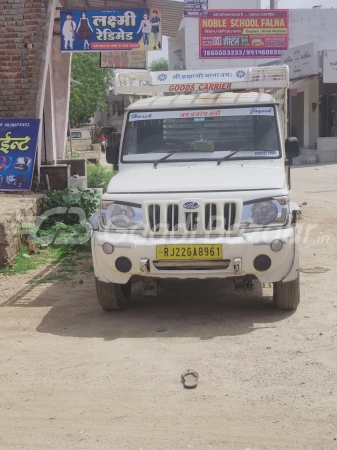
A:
[272, 4]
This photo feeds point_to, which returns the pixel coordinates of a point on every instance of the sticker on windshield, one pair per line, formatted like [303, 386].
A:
[202, 114]
[262, 111]
[267, 153]
[140, 116]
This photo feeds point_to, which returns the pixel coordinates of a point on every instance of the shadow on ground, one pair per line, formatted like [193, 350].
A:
[202, 309]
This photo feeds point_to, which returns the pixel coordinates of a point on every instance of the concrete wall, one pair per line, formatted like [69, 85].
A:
[177, 54]
[59, 176]
[327, 150]
[311, 115]
[313, 25]
[13, 210]
[61, 68]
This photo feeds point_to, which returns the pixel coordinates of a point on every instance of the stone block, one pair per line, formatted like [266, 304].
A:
[15, 209]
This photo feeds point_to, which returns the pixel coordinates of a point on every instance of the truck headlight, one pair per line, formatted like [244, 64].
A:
[120, 215]
[265, 213]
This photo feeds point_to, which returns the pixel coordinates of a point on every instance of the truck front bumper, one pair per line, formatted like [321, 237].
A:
[239, 252]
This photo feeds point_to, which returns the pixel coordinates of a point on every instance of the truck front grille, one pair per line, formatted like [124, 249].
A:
[212, 217]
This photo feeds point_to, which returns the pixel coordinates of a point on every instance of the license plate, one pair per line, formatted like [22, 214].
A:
[189, 252]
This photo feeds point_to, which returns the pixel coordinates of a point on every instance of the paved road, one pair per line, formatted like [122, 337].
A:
[74, 377]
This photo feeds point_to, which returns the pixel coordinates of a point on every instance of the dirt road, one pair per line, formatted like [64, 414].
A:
[74, 377]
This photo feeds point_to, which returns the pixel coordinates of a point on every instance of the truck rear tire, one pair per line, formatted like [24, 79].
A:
[112, 296]
[287, 295]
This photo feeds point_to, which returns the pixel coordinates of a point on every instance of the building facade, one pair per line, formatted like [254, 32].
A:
[313, 102]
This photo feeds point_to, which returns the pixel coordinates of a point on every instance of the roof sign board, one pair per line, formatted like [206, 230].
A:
[203, 80]
[243, 34]
[330, 66]
[198, 76]
[100, 30]
[303, 61]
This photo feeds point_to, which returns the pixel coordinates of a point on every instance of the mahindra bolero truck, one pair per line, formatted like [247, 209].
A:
[202, 190]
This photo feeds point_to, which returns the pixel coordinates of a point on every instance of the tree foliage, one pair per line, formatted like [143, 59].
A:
[86, 98]
[158, 65]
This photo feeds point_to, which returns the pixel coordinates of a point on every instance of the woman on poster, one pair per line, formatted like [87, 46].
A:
[145, 28]
[84, 30]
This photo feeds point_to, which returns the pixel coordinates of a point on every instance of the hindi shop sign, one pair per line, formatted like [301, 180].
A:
[243, 34]
[196, 8]
[136, 29]
[18, 143]
[123, 60]
[330, 66]
[302, 61]
[194, 76]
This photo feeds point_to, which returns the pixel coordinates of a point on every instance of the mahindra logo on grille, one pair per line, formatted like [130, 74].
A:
[191, 205]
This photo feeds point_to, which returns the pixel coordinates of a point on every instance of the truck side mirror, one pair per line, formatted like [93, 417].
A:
[112, 155]
[292, 147]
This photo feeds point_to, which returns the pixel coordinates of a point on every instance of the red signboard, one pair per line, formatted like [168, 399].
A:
[243, 34]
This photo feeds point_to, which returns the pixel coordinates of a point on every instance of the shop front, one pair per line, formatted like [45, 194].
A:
[327, 140]
[304, 71]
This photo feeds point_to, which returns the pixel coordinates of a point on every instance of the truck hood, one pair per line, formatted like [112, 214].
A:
[198, 179]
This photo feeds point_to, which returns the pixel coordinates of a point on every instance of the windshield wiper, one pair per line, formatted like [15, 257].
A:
[227, 157]
[240, 150]
[155, 164]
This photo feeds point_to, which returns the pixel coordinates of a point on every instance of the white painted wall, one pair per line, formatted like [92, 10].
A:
[61, 65]
[238, 4]
[177, 54]
[49, 147]
[313, 25]
[311, 117]
[47, 37]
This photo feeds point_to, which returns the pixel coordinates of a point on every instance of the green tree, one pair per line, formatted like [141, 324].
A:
[86, 98]
[158, 65]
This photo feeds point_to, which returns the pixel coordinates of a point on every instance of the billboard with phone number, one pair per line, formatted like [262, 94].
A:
[18, 143]
[243, 34]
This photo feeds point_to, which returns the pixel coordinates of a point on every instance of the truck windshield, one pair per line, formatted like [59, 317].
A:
[201, 134]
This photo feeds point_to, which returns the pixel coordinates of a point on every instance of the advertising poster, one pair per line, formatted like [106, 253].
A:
[136, 29]
[18, 142]
[196, 8]
[243, 34]
[123, 60]
[303, 61]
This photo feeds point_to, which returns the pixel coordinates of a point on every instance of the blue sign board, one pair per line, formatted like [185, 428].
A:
[122, 29]
[18, 143]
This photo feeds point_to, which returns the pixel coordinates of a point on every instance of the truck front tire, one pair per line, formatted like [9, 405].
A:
[112, 296]
[287, 295]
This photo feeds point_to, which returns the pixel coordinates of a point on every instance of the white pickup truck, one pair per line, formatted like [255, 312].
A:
[202, 191]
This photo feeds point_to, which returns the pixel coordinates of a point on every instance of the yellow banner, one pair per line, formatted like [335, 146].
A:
[265, 31]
